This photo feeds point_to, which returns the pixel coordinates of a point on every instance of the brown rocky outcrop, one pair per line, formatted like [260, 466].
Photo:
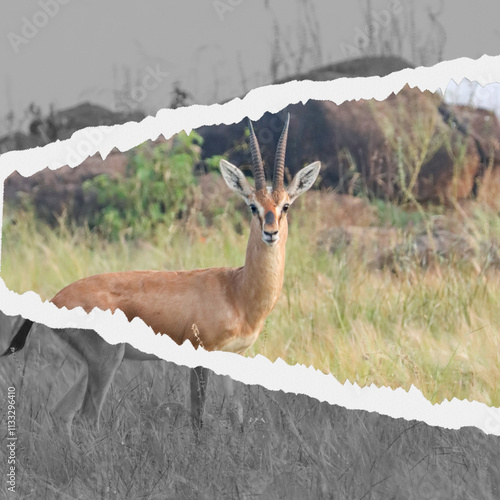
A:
[410, 145]
[394, 149]
[53, 191]
[484, 127]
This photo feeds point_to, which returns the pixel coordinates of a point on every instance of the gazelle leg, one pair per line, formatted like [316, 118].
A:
[234, 402]
[101, 370]
[64, 411]
[198, 386]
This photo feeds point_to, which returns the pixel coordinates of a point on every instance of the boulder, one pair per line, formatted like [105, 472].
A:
[427, 249]
[394, 149]
[51, 192]
[483, 127]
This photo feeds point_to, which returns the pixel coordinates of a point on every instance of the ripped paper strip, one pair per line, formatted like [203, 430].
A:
[115, 328]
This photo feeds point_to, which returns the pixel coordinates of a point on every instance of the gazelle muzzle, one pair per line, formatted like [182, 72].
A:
[270, 238]
[270, 229]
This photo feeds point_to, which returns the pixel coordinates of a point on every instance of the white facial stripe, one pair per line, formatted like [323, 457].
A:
[260, 209]
[279, 209]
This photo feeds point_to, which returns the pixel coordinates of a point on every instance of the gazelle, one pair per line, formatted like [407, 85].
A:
[218, 308]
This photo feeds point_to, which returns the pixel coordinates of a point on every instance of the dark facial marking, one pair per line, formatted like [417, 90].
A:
[270, 219]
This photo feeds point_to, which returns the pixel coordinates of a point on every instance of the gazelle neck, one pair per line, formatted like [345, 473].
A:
[262, 275]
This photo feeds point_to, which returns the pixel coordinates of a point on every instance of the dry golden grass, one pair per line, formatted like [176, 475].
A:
[436, 328]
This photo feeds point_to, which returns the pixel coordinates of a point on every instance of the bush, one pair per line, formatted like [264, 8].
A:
[158, 188]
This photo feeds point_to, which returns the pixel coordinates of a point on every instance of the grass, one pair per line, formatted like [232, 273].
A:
[292, 446]
[436, 328]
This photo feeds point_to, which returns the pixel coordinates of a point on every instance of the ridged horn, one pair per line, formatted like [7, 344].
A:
[279, 162]
[257, 165]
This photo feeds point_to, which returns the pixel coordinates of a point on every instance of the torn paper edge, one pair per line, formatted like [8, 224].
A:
[115, 328]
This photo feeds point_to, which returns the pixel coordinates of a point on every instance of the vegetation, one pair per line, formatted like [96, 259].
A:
[291, 447]
[157, 190]
[434, 326]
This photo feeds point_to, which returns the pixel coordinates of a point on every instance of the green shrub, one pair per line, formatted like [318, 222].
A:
[157, 189]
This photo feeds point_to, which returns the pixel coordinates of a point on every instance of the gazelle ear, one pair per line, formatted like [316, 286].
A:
[235, 179]
[304, 179]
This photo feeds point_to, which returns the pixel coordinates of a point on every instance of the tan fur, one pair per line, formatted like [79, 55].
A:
[224, 303]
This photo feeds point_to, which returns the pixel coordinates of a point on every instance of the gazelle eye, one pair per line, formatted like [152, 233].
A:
[253, 208]
[285, 208]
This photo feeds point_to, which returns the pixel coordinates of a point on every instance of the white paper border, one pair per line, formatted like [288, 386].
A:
[115, 328]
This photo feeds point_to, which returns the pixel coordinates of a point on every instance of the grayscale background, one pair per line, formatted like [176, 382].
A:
[59, 53]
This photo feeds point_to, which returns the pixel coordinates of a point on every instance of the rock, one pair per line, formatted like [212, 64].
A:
[51, 192]
[398, 250]
[484, 128]
[427, 249]
[394, 149]
[367, 243]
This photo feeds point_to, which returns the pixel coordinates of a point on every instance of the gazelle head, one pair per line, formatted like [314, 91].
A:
[269, 205]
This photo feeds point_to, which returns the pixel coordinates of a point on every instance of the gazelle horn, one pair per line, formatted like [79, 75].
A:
[257, 165]
[279, 162]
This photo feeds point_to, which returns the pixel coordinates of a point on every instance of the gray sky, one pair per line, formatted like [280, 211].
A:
[65, 51]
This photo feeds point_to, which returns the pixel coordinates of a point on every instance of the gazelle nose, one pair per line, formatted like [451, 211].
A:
[270, 228]
[270, 237]
[271, 234]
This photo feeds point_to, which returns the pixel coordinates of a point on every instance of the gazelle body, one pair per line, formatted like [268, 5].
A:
[218, 308]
